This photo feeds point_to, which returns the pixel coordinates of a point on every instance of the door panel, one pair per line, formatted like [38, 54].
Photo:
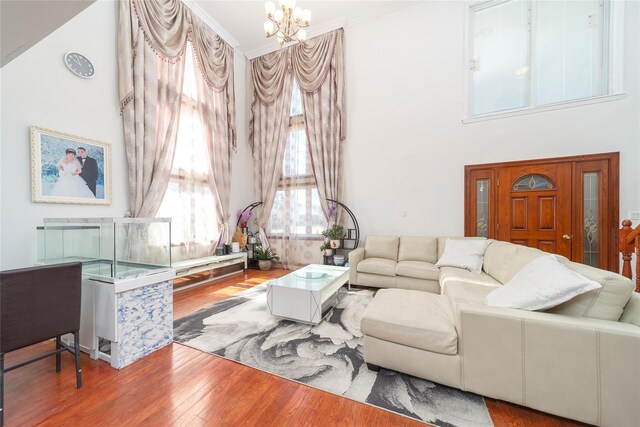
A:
[519, 213]
[535, 205]
[547, 246]
[546, 213]
[592, 238]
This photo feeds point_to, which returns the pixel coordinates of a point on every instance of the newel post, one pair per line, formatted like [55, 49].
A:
[626, 249]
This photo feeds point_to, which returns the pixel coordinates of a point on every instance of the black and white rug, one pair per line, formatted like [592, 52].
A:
[328, 356]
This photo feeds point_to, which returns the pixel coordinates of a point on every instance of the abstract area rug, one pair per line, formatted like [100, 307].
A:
[328, 356]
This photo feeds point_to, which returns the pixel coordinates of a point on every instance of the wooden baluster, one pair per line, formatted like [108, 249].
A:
[626, 248]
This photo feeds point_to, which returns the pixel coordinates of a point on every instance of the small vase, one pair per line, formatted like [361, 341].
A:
[253, 240]
[264, 264]
[328, 252]
[335, 244]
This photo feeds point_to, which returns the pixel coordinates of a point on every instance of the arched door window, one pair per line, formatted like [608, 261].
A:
[533, 182]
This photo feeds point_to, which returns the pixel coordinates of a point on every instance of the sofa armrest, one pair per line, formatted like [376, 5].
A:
[580, 368]
[355, 257]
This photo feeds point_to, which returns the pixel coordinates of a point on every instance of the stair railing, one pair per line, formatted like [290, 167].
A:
[630, 243]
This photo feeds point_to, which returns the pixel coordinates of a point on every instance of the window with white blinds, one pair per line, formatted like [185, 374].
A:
[529, 53]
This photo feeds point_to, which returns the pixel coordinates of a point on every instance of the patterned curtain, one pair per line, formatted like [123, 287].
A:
[152, 38]
[322, 85]
[318, 66]
[271, 84]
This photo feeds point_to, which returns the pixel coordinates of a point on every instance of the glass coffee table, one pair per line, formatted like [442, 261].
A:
[308, 294]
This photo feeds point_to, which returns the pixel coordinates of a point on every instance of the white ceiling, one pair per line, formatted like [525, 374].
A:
[243, 20]
[26, 22]
[240, 22]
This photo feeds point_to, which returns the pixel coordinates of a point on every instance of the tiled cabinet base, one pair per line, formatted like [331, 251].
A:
[144, 323]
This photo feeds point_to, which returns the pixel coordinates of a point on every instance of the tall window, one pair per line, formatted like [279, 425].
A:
[296, 209]
[188, 200]
[526, 54]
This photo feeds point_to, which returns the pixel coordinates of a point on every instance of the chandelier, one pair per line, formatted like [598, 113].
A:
[287, 22]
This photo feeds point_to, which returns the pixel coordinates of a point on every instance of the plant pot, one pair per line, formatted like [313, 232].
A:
[338, 259]
[335, 244]
[328, 252]
[252, 240]
[264, 264]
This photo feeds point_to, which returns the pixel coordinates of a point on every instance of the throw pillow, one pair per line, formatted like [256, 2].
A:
[543, 283]
[467, 254]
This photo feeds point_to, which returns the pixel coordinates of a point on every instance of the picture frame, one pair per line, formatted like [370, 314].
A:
[67, 168]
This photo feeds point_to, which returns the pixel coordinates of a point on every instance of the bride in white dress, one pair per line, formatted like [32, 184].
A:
[70, 183]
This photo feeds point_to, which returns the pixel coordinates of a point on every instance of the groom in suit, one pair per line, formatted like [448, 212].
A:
[89, 169]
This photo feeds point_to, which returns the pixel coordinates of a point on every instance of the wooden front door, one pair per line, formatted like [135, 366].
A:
[566, 205]
[535, 207]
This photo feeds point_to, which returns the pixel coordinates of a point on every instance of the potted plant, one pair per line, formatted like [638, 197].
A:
[253, 237]
[265, 256]
[326, 248]
[334, 234]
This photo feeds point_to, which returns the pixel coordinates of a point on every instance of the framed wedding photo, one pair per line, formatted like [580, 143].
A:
[69, 169]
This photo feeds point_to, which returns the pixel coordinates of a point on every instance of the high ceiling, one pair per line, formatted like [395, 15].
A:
[26, 22]
[243, 19]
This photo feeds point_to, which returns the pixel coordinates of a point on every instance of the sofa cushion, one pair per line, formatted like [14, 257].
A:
[503, 259]
[631, 312]
[381, 247]
[413, 318]
[418, 249]
[450, 275]
[539, 285]
[467, 291]
[467, 254]
[418, 270]
[381, 266]
[606, 303]
[443, 240]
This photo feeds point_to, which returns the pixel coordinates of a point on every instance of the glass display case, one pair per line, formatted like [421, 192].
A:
[113, 248]
[127, 282]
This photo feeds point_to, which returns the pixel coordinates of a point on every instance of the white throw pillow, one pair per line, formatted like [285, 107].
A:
[543, 283]
[467, 254]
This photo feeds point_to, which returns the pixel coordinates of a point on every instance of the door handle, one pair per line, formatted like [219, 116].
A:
[566, 237]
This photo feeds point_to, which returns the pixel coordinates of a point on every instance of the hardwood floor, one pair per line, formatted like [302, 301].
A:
[181, 386]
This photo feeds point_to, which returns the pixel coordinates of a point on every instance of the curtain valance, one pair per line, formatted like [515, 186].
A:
[166, 26]
[165, 23]
[310, 63]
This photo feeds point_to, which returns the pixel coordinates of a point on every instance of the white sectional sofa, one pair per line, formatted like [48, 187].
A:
[580, 359]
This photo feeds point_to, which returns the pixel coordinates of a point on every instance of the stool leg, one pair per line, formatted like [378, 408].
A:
[76, 342]
[58, 357]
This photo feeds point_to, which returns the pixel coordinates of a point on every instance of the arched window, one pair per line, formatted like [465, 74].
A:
[533, 182]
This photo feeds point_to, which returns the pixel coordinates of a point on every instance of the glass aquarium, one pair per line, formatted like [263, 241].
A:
[113, 248]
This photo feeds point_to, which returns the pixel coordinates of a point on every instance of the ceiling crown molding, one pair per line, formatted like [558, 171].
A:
[202, 14]
[382, 11]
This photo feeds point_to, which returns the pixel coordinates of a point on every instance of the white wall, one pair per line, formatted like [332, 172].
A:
[242, 192]
[37, 89]
[406, 146]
